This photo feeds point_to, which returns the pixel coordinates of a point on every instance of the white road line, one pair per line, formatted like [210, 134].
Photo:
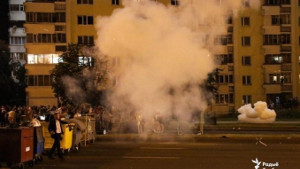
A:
[162, 148]
[134, 157]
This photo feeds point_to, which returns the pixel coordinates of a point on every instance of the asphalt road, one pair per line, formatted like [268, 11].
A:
[178, 155]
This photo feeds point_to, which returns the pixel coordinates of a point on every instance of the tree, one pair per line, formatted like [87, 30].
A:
[74, 77]
[12, 92]
[210, 87]
[20, 83]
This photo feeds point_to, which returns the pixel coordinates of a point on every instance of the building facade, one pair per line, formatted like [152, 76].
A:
[17, 34]
[260, 53]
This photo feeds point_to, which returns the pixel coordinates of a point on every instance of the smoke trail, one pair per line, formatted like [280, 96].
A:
[73, 89]
[260, 113]
[163, 53]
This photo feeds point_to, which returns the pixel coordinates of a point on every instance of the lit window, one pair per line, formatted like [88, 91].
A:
[42, 58]
[85, 61]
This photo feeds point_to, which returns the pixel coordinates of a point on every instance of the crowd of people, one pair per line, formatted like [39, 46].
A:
[15, 116]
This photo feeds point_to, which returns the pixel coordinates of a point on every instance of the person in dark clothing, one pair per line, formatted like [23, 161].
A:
[3, 116]
[56, 131]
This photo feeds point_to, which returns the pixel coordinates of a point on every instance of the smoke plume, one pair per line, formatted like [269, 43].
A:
[161, 53]
[73, 89]
[260, 113]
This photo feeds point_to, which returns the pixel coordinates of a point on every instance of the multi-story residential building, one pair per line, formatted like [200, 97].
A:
[17, 35]
[260, 52]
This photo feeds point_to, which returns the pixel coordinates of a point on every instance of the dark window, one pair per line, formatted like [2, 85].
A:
[245, 21]
[246, 3]
[285, 2]
[30, 80]
[60, 48]
[285, 19]
[246, 80]
[275, 19]
[271, 39]
[225, 58]
[272, 2]
[29, 37]
[84, 1]
[90, 20]
[285, 39]
[86, 40]
[47, 80]
[79, 20]
[175, 2]
[229, 20]
[246, 60]
[246, 41]
[85, 20]
[247, 99]
[115, 2]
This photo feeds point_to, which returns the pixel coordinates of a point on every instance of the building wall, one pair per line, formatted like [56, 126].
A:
[260, 88]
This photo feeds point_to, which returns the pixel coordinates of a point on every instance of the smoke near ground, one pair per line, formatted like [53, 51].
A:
[160, 54]
[259, 114]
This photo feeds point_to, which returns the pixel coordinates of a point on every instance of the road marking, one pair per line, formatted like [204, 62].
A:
[162, 148]
[134, 157]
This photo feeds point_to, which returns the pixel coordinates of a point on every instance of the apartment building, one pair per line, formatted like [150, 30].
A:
[17, 35]
[261, 57]
[50, 26]
[260, 53]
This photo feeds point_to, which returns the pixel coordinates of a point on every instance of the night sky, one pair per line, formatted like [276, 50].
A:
[4, 20]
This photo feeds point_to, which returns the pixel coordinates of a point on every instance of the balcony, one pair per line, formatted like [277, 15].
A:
[271, 49]
[272, 88]
[286, 67]
[286, 88]
[285, 10]
[286, 29]
[271, 10]
[285, 48]
[60, 7]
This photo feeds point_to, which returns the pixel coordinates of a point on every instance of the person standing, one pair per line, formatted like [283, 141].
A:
[56, 131]
[3, 116]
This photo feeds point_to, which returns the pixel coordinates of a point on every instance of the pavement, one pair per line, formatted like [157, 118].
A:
[186, 151]
[206, 138]
[174, 154]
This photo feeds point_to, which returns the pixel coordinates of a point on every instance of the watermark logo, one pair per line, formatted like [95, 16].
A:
[257, 163]
[264, 165]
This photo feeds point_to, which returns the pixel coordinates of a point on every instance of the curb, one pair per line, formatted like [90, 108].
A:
[209, 138]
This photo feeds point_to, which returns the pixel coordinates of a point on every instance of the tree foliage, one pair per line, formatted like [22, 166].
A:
[12, 92]
[74, 78]
[210, 85]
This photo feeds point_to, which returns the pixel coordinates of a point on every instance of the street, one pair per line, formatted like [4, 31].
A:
[178, 155]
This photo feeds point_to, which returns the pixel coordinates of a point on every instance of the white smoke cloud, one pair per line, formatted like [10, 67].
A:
[259, 114]
[161, 49]
[73, 89]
